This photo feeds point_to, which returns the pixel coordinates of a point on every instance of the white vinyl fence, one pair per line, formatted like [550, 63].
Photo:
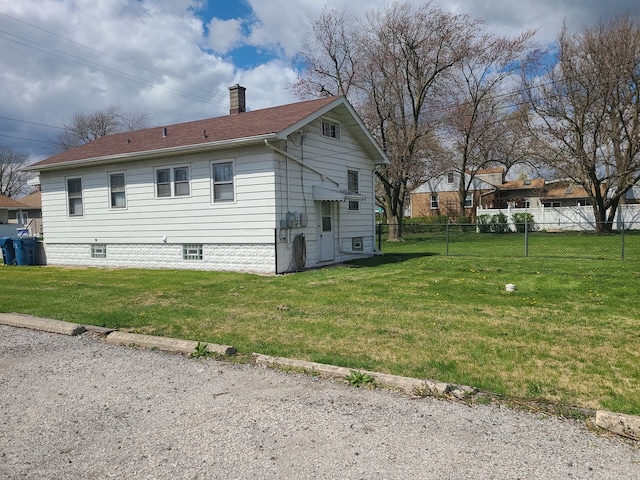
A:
[569, 218]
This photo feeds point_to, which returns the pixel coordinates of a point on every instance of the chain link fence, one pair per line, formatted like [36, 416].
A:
[571, 240]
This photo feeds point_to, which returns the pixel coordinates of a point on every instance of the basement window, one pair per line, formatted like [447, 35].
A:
[98, 250]
[357, 244]
[192, 251]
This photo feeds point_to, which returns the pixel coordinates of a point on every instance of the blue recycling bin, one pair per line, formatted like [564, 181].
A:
[25, 248]
[8, 252]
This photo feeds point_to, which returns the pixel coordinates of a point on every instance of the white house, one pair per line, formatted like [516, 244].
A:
[265, 191]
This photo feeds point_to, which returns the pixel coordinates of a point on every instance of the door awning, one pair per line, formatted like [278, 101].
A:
[323, 194]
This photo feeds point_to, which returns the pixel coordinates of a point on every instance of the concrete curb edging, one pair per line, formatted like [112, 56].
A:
[42, 324]
[619, 423]
[164, 343]
[406, 384]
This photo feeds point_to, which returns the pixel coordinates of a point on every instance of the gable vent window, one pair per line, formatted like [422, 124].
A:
[450, 178]
[192, 252]
[331, 129]
[172, 182]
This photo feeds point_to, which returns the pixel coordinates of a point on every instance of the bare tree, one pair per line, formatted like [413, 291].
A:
[481, 125]
[13, 181]
[391, 66]
[587, 112]
[85, 127]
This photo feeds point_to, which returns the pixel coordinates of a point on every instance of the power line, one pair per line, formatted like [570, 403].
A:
[28, 139]
[32, 123]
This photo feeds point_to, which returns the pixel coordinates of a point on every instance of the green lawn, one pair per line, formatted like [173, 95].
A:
[569, 334]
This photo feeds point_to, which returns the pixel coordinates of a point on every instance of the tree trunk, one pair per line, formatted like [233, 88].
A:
[395, 228]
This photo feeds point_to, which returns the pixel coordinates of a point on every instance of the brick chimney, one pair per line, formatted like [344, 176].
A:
[237, 104]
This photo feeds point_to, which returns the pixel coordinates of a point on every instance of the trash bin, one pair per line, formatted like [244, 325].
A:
[8, 253]
[25, 249]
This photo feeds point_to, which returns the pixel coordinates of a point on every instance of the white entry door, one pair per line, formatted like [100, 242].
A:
[326, 245]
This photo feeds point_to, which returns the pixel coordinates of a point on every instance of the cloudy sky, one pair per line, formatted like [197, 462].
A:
[174, 60]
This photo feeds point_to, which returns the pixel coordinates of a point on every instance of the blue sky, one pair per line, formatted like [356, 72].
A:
[174, 60]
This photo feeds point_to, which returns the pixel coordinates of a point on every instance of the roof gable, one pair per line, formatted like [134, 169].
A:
[7, 202]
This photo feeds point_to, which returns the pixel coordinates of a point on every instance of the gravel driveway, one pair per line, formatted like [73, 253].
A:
[74, 407]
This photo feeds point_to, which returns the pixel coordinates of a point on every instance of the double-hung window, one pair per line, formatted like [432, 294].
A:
[435, 201]
[117, 192]
[352, 187]
[74, 195]
[172, 181]
[222, 176]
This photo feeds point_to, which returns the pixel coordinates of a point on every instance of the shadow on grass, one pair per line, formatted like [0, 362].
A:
[389, 258]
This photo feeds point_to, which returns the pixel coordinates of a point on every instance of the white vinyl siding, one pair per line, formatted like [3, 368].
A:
[250, 218]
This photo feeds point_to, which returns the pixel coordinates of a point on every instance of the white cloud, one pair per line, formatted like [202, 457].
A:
[225, 35]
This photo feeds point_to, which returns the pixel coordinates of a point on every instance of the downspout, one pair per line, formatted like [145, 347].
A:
[291, 157]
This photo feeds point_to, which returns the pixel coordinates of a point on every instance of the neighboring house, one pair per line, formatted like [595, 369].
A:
[267, 191]
[564, 193]
[31, 216]
[10, 210]
[518, 194]
[633, 195]
[440, 196]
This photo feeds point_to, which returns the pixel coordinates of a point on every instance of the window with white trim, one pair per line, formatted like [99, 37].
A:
[357, 244]
[330, 129]
[117, 190]
[435, 202]
[222, 176]
[468, 200]
[192, 251]
[353, 187]
[74, 196]
[173, 181]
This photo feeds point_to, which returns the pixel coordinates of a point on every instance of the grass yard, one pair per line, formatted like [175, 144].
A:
[569, 334]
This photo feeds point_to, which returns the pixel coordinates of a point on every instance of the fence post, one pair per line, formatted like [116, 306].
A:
[526, 236]
[447, 242]
[379, 235]
[622, 242]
